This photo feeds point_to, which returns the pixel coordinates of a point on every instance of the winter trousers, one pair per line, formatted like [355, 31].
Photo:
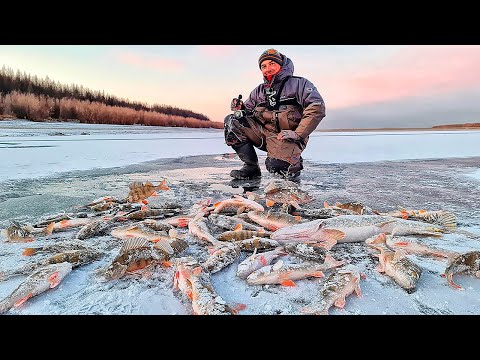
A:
[283, 156]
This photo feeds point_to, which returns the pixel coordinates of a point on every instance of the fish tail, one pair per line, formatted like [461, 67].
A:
[447, 220]
[64, 223]
[162, 185]
[380, 239]
[164, 245]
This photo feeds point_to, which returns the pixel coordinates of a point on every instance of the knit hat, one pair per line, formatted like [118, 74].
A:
[271, 54]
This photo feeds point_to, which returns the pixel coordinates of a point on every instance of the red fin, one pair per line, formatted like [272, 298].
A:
[28, 251]
[379, 239]
[269, 203]
[64, 223]
[184, 273]
[288, 282]
[317, 244]
[145, 201]
[330, 235]
[154, 194]
[238, 227]
[262, 259]
[22, 300]
[331, 262]
[53, 279]
[176, 274]
[238, 307]
[318, 274]
[167, 263]
[452, 283]
[53, 276]
[183, 222]
[163, 185]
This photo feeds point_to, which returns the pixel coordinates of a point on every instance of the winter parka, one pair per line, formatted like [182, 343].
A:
[300, 107]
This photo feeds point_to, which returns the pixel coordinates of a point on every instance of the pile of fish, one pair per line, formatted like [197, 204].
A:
[284, 239]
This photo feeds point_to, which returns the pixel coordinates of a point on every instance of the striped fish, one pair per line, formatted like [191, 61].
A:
[334, 291]
[239, 234]
[141, 191]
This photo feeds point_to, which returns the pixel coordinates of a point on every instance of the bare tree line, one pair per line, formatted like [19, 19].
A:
[42, 108]
[28, 97]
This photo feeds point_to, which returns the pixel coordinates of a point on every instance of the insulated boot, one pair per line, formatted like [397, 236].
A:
[251, 169]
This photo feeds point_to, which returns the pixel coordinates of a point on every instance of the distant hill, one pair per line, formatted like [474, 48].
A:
[473, 126]
[458, 126]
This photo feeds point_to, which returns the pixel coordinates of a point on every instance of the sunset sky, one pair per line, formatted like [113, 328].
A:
[364, 86]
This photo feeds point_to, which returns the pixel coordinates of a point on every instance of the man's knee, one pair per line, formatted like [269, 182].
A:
[278, 166]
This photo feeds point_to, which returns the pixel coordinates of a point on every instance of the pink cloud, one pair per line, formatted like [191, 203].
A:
[214, 51]
[155, 63]
[413, 71]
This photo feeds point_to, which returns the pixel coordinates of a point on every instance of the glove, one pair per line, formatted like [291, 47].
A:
[288, 135]
[237, 104]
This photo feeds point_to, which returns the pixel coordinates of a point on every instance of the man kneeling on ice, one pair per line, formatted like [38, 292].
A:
[278, 117]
